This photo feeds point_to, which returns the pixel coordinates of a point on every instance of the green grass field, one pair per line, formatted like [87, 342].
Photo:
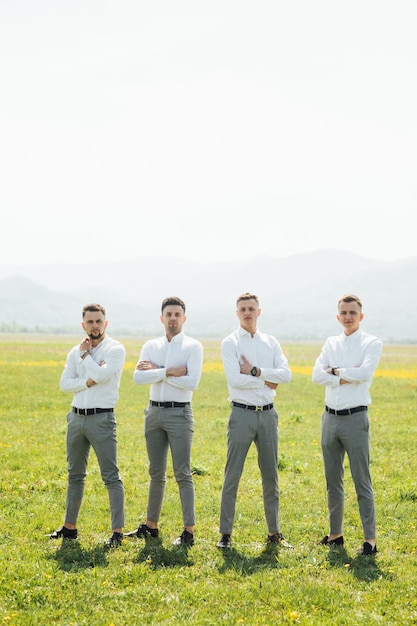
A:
[78, 583]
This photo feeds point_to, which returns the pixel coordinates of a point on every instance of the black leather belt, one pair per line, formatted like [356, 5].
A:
[90, 411]
[168, 405]
[252, 407]
[355, 409]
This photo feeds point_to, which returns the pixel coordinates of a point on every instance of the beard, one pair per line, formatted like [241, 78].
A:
[96, 336]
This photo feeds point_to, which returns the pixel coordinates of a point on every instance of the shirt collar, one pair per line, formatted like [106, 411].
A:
[175, 338]
[245, 333]
[353, 336]
[102, 342]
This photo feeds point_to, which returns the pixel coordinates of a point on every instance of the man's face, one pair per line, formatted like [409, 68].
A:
[248, 312]
[173, 317]
[350, 316]
[94, 324]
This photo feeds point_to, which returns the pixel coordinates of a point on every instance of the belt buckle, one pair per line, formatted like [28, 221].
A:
[259, 408]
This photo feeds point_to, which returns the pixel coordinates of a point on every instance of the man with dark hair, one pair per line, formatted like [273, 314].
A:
[254, 365]
[172, 366]
[346, 368]
[92, 373]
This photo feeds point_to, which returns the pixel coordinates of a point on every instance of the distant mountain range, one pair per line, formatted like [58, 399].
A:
[298, 295]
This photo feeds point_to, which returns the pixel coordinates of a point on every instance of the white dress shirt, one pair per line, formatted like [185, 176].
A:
[261, 350]
[111, 354]
[356, 356]
[181, 350]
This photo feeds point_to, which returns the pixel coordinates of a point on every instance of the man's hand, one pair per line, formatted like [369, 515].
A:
[181, 370]
[271, 385]
[85, 344]
[246, 367]
[147, 365]
[335, 371]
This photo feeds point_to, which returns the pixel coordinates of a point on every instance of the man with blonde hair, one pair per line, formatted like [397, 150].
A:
[254, 365]
[346, 368]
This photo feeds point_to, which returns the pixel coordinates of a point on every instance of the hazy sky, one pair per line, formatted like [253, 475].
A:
[208, 130]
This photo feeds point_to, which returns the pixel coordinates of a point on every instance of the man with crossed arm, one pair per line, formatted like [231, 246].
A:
[254, 365]
[346, 368]
[172, 366]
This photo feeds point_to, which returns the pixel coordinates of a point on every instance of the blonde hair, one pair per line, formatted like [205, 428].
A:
[350, 298]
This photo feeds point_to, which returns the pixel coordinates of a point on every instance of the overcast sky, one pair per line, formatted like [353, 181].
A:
[215, 130]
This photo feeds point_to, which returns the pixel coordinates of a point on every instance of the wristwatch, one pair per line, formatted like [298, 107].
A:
[254, 371]
[83, 353]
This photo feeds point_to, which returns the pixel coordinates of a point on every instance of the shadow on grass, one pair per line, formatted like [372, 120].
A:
[156, 556]
[72, 557]
[362, 567]
[247, 565]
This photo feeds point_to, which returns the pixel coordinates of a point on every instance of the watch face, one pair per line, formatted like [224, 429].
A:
[254, 371]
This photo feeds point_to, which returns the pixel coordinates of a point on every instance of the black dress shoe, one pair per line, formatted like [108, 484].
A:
[367, 549]
[185, 540]
[64, 533]
[143, 531]
[332, 542]
[279, 540]
[115, 540]
[224, 542]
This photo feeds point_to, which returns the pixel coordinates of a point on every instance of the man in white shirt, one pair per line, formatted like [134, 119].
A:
[92, 373]
[172, 366]
[254, 365]
[346, 368]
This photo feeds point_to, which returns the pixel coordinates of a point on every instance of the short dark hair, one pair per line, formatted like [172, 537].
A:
[350, 297]
[247, 296]
[94, 307]
[172, 300]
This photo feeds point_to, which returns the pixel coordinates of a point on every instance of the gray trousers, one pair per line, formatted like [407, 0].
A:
[245, 427]
[348, 434]
[172, 429]
[99, 431]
